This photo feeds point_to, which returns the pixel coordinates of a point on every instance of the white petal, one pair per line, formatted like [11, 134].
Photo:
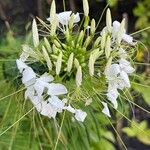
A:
[80, 115]
[112, 96]
[29, 92]
[46, 77]
[106, 109]
[56, 89]
[76, 18]
[70, 109]
[21, 65]
[127, 38]
[28, 76]
[115, 29]
[56, 103]
[125, 78]
[48, 110]
[125, 66]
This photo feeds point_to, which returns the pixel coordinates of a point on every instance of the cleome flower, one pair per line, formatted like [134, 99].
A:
[80, 64]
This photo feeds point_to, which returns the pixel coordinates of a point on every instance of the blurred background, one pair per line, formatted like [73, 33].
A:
[15, 26]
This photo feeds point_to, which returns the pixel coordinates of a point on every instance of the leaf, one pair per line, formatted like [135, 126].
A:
[129, 132]
[144, 90]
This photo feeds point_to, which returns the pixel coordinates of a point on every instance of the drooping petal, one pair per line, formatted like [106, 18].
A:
[112, 96]
[46, 77]
[125, 66]
[21, 65]
[29, 92]
[125, 78]
[70, 109]
[106, 109]
[56, 89]
[28, 76]
[80, 115]
[127, 38]
[56, 103]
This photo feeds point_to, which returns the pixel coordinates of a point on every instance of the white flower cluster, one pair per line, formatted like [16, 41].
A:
[37, 87]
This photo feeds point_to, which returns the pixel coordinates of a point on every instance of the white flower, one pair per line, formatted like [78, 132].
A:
[80, 115]
[106, 109]
[125, 37]
[64, 17]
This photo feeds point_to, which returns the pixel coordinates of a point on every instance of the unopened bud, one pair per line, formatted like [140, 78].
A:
[52, 11]
[35, 34]
[108, 20]
[79, 76]
[76, 63]
[59, 63]
[93, 26]
[47, 44]
[103, 40]
[97, 42]
[86, 7]
[108, 47]
[70, 62]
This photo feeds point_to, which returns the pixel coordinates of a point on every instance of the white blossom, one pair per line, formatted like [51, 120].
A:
[106, 109]
[80, 115]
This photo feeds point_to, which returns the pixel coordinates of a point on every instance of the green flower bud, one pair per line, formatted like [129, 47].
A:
[52, 11]
[35, 34]
[47, 44]
[79, 76]
[121, 31]
[76, 63]
[108, 47]
[103, 40]
[57, 44]
[71, 21]
[93, 26]
[81, 36]
[86, 7]
[70, 62]
[97, 42]
[91, 65]
[108, 20]
[47, 58]
[87, 41]
[54, 24]
[59, 63]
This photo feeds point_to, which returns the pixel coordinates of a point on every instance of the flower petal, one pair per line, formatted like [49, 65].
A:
[80, 115]
[21, 65]
[56, 89]
[106, 109]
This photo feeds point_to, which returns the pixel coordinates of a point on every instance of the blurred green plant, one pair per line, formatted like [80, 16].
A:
[137, 133]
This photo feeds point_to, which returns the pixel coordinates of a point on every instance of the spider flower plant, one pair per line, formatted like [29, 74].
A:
[81, 63]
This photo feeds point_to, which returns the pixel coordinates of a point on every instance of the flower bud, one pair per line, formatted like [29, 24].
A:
[76, 63]
[108, 20]
[97, 42]
[54, 25]
[70, 62]
[47, 44]
[103, 40]
[121, 31]
[57, 44]
[71, 21]
[108, 47]
[91, 65]
[52, 11]
[87, 41]
[47, 58]
[59, 63]
[35, 34]
[81, 36]
[79, 76]
[108, 65]
[93, 26]
[86, 7]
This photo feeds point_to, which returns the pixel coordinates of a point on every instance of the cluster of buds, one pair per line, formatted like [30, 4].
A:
[73, 53]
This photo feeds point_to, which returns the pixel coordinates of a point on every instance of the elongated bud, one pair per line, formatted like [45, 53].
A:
[35, 34]
[87, 41]
[93, 26]
[55, 49]
[70, 62]
[108, 47]
[54, 25]
[47, 58]
[97, 42]
[108, 20]
[86, 7]
[47, 44]
[108, 65]
[103, 40]
[121, 31]
[96, 54]
[76, 63]
[52, 11]
[58, 64]
[81, 36]
[91, 65]
[57, 44]
[71, 21]
[79, 76]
